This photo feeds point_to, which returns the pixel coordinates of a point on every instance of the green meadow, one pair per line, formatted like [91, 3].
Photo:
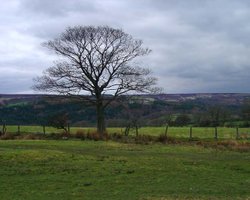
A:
[74, 169]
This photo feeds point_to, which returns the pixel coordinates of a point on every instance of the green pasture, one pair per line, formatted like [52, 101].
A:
[89, 170]
[183, 132]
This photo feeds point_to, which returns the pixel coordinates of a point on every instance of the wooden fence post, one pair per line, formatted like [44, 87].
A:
[18, 129]
[136, 130]
[44, 131]
[166, 130]
[68, 129]
[237, 133]
[4, 128]
[215, 133]
[191, 133]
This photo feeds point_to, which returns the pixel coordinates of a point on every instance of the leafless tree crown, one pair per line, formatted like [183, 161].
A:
[97, 60]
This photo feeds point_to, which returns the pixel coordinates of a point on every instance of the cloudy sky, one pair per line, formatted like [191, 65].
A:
[197, 45]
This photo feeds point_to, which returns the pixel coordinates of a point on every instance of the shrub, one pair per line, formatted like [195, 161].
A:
[31, 137]
[80, 134]
[241, 148]
[144, 139]
[228, 143]
[7, 136]
[96, 136]
[116, 136]
[244, 136]
[55, 136]
[162, 138]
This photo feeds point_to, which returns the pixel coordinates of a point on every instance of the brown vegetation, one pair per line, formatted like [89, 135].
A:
[235, 145]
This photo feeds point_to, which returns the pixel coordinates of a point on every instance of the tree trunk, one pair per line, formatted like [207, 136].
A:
[100, 118]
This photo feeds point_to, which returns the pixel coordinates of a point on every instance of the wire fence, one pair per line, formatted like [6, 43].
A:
[178, 132]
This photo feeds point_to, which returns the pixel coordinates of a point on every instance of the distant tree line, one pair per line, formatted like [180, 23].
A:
[124, 112]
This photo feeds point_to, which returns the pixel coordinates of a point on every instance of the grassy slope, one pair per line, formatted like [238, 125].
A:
[109, 170]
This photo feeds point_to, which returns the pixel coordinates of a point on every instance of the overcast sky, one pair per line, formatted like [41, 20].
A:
[197, 45]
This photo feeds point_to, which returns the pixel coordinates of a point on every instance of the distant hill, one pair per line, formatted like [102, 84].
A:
[221, 98]
[150, 109]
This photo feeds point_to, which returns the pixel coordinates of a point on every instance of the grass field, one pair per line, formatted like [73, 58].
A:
[199, 132]
[57, 169]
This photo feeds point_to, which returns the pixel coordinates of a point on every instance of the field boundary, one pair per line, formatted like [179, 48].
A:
[190, 133]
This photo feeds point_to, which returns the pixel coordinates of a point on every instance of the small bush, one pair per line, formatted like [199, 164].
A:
[63, 135]
[31, 137]
[116, 136]
[228, 143]
[55, 136]
[7, 136]
[144, 139]
[96, 136]
[170, 140]
[244, 136]
[241, 148]
[162, 138]
[80, 134]
[93, 136]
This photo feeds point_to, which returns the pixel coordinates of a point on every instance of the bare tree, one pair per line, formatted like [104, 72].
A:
[98, 61]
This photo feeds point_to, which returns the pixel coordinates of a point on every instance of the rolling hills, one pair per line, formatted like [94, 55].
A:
[150, 109]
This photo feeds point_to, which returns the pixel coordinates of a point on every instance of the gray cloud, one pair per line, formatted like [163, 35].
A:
[62, 8]
[198, 46]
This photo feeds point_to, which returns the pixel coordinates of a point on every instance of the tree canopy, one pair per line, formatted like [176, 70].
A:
[97, 61]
